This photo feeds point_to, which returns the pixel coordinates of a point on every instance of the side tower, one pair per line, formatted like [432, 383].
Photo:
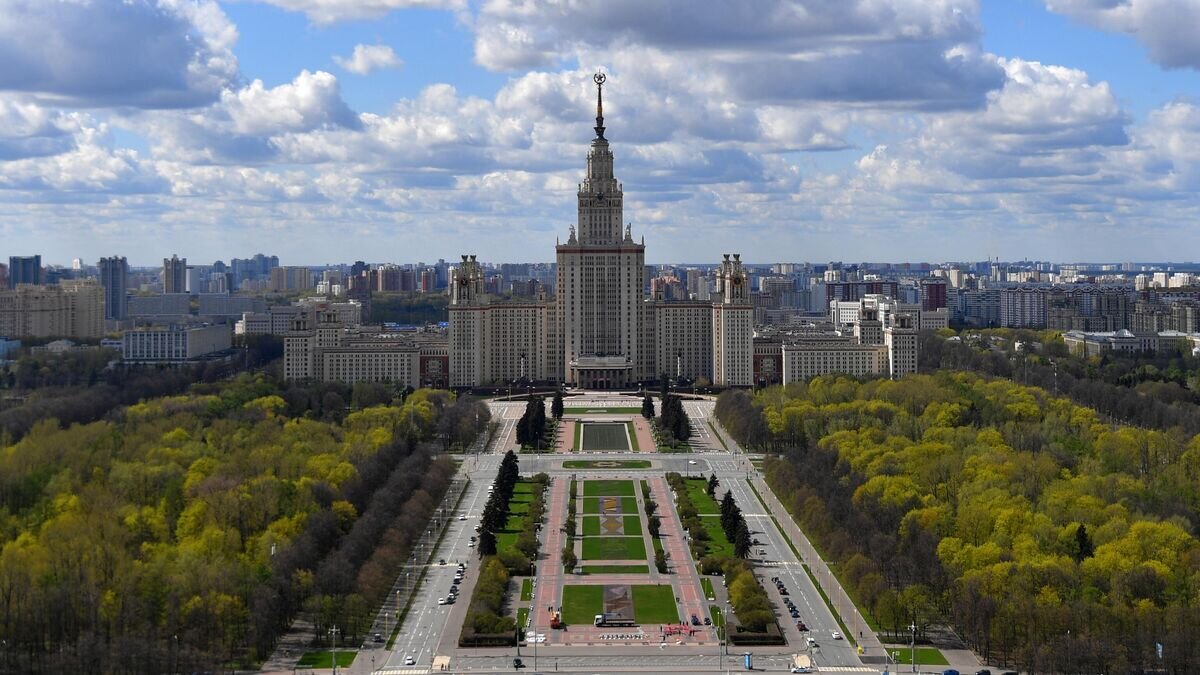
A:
[600, 283]
[733, 326]
[466, 332]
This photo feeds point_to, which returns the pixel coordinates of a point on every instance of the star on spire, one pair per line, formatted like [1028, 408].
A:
[599, 79]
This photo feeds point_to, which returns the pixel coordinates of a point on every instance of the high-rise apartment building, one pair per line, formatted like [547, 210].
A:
[291, 278]
[24, 270]
[174, 274]
[114, 277]
[73, 309]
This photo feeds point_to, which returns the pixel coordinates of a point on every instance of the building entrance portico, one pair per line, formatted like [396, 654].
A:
[601, 372]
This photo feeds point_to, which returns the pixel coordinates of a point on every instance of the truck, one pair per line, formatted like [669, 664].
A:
[801, 663]
[614, 620]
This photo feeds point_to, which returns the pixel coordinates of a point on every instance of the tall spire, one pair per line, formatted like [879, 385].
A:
[599, 79]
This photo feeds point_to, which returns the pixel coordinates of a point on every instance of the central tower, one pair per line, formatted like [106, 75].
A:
[601, 284]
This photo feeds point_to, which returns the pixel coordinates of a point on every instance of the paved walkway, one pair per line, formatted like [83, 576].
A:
[689, 594]
[645, 437]
[566, 436]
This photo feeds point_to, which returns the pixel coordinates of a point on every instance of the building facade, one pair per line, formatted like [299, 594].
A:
[114, 277]
[600, 330]
[24, 270]
[73, 309]
[174, 344]
[174, 274]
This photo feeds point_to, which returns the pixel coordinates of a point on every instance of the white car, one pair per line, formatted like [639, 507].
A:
[837, 635]
[462, 517]
[409, 660]
[441, 601]
[691, 461]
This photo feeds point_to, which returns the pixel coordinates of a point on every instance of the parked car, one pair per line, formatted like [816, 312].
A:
[379, 637]
[838, 636]
[409, 660]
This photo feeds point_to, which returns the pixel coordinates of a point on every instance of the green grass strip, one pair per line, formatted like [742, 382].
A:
[606, 464]
[608, 488]
[926, 656]
[633, 442]
[616, 569]
[527, 589]
[522, 617]
[325, 659]
[706, 585]
[578, 437]
[654, 604]
[581, 604]
[600, 411]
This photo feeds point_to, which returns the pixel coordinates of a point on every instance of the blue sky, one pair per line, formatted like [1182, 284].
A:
[334, 130]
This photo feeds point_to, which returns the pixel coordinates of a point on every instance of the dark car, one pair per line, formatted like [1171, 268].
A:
[518, 664]
[983, 671]
[695, 620]
[950, 671]
[379, 637]
[707, 621]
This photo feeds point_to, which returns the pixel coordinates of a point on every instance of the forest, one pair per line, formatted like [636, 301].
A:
[186, 532]
[1049, 538]
[410, 309]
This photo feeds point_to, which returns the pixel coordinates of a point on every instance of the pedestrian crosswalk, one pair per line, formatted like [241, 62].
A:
[402, 671]
[847, 669]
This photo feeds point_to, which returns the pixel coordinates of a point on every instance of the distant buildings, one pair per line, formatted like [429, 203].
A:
[72, 309]
[1083, 343]
[174, 275]
[321, 347]
[174, 344]
[114, 277]
[291, 279]
[25, 270]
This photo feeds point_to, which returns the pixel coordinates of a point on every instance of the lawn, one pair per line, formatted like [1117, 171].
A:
[522, 617]
[697, 492]
[609, 488]
[601, 411]
[633, 436]
[578, 436]
[581, 604]
[591, 526]
[614, 548]
[606, 464]
[926, 656]
[616, 569]
[518, 507]
[706, 584]
[602, 437]
[718, 545]
[325, 659]
[592, 505]
[526, 589]
[654, 604]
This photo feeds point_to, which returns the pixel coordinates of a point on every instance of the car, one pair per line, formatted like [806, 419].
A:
[379, 637]
[801, 626]
[801, 669]
[782, 590]
[695, 620]
[812, 642]
[441, 601]
[462, 517]
[470, 544]
[838, 636]
[950, 671]
[472, 539]
[451, 600]
[983, 671]
[409, 660]
[707, 621]
[692, 461]
[442, 561]
[518, 664]
[794, 614]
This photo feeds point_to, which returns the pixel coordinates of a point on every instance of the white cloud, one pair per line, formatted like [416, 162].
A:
[367, 58]
[1166, 27]
[331, 11]
[140, 53]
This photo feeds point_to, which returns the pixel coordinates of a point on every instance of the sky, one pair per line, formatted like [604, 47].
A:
[327, 131]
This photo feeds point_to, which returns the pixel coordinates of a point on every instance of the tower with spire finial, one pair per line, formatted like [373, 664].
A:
[600, 290]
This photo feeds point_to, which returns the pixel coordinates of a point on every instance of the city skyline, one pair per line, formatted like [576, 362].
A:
[917, 131]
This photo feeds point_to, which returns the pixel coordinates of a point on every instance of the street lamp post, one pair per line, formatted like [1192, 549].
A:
[333, 651]
[913, 656]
